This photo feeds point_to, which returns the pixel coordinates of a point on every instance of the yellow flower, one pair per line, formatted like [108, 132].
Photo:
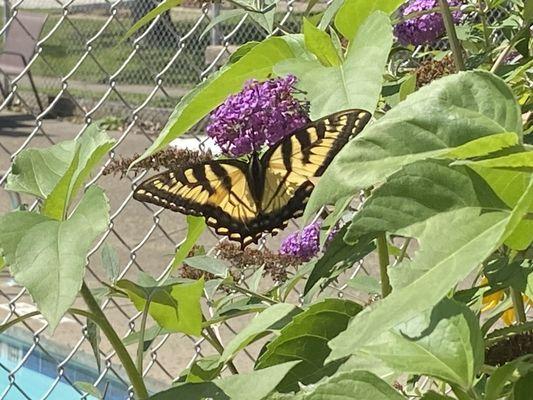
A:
[490, 301]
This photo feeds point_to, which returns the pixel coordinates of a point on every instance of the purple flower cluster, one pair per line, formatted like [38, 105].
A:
[425, 28]
[263, 112]
[304, 244]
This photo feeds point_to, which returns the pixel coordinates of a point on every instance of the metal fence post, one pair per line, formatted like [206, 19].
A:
[7, 15]
[215, 32]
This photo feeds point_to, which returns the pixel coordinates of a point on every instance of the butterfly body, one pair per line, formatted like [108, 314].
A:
[243, 199]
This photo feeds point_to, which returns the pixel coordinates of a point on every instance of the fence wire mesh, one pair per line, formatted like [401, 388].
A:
[84, 72]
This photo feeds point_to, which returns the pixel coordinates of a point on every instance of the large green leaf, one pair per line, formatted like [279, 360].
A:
[58, 172]
[349, 386]
[256, 63]
[356, 83]
[353, 13]
[271, 319]
[418, 192]
[450, 250]
[254, 385]
[319, 43]
[510, 185]
[444, 342]
[175, 307]
[195, 227]
[48, 257]
[498, 383]
[37, 171]
[306, 338]
[432, 122]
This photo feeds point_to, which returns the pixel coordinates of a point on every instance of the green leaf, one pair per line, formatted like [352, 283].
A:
[306, 338]
[89, 388]
[264, 19]
[66, 165]
[227, 15]
[356, 83]
[353, 13]
[161, 8]
[351, 385]
[37, 171]
[205, 369]
[435, 396]
[195, 228]
[110, 262]
[407, 87]
[523, 387]
[418, 192]
[339, 256]
[365, 283]
[254, 385]
[528, 10]
[449, 251]
[444, 342]
[208, 264]
[432, 122]
[56, 203]
[319, 43]
[256, 63]
[266, 321]
[175, 308]
[93, 336]
[2, 262]
[496, 385]
[521, 161]
[48, 257]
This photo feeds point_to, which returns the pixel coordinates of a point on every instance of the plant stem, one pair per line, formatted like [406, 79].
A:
[250, 293]
[455, 45]
[383, 254]
[212, 338]
[507, 50]
[481, 5]
[518, 304]
[101, 320]
[140, 346]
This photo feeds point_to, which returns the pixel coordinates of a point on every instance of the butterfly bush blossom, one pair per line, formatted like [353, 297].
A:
[304, 244]
[263, 112]
[425, 28]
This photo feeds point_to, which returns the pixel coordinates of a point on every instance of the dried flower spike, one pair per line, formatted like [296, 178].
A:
[430, 70]
[276, 265]
[425, 28]
[168, 159]
[262, 113]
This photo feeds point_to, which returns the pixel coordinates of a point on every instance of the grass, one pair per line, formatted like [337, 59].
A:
[67, 45]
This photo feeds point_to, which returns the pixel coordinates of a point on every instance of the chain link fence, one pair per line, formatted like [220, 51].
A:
[84, 72]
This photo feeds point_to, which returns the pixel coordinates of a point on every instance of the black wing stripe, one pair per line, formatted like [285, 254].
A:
[201, 177]
[286, 151]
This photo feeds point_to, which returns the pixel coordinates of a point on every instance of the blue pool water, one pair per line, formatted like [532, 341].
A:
[39, 373]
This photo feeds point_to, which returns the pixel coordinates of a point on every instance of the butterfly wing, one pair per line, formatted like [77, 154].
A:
[216, 190]
[292, 163]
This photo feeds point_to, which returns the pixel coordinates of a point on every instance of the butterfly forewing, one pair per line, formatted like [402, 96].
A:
[217, 190]
[304, 155]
